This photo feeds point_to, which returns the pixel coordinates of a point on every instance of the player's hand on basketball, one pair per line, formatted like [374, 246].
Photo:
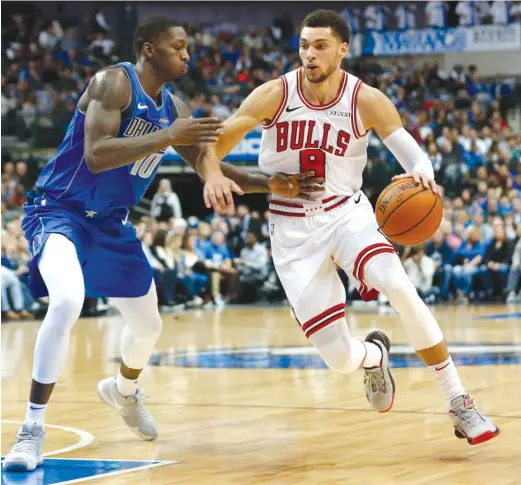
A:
[190, 131]
[302, 185]
[420, 178]
[218, 192]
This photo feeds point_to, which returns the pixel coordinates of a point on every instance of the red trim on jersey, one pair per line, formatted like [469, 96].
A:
[306, 211]
[282, 104]
[354, 104]
[309, 104]
[362, 259]
[324, 319]
[336, 204]
[286, 204]
[289, 214]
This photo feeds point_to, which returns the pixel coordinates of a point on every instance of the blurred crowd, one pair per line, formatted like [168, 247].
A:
[210, 261]
[459, 118]
[385, 16]
[46, 63]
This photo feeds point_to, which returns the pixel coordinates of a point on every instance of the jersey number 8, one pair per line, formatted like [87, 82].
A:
[313, 159]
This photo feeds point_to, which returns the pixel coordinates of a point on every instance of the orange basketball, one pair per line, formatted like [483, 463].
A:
[407, 213]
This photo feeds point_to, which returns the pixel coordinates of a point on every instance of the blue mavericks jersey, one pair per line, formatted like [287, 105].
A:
[67, 178]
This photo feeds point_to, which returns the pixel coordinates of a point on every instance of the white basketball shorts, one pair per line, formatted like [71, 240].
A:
[309, 241]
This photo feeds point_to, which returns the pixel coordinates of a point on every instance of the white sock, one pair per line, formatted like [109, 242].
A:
[448, 381]
[127, 387]
[373, 356]
[35, 414]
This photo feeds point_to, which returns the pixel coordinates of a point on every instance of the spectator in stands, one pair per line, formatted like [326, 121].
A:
[468, 13]
[500, 12]
[204, 232]
[14, 302]
[420, 269]
[376, 17]
[468, 259]
[515, 11]
[218, 260]
[252, 267]
[192, 271]
[484, 228]
[163, 253]
[436, 14]
[352, 17]
[497, 260]
[405, 14]
[442, 255]
[514, 275]
[248, 223]
[165, 203]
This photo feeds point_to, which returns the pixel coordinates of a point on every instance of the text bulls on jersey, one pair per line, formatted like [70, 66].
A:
[298, 135]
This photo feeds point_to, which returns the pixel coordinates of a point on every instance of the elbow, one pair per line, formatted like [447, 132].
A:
[92, 163]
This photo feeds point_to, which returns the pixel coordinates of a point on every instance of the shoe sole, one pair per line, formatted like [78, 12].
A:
[477, 440]
[103, 396]
[17, 466]
[383, 339]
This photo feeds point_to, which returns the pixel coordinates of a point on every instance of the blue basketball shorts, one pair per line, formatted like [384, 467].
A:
[109, 251]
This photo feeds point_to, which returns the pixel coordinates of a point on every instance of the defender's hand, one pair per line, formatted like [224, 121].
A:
[190, 131]
[302, 185]
[218, 192]
[420, 178]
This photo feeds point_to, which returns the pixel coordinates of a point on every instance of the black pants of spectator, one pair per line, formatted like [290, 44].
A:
[250, 285]
[166, 282]
[497, 280]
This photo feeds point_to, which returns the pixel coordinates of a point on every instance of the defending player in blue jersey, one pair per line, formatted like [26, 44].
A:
[77, 221]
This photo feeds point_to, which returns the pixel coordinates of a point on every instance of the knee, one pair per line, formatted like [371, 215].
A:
[150, 327]
[393, 284]
[66, 308]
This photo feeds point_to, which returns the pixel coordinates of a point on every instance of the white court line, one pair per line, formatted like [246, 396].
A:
[85, 437]
[118, 472]
[118, 459]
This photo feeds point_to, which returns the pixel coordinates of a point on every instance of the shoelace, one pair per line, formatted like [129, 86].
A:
[375, 378]
[25, 442]
[138, 398]
[470, 415]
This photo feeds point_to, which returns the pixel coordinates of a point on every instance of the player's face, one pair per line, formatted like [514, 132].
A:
[321, 53]
[170, 53]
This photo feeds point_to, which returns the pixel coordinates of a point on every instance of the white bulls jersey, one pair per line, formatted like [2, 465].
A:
[329, 139]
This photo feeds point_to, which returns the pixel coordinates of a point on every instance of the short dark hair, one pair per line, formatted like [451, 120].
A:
[328, 18]
[150, 30]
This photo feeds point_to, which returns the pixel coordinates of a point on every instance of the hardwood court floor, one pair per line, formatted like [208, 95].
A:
[240, 398]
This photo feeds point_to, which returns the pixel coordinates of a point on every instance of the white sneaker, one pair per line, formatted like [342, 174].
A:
[378, 381]
[469, 423]
[26, 454]
[135, 415]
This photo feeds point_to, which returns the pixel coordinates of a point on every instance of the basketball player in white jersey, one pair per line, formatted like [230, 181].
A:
[317, 118]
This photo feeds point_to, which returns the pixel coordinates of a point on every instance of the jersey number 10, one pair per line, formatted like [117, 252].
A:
[145, 167]
[313, 159]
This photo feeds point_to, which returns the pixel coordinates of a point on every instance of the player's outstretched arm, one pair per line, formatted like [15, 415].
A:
[261, 105]
[205, 159]
[300, 185]
[107, 95]
[379, 113]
